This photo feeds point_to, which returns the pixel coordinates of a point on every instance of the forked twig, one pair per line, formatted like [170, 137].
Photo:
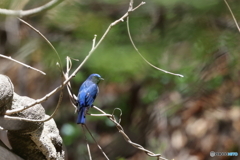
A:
[25, 65]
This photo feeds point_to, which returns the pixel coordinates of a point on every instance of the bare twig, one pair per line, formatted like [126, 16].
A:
[24, 13]
[97, 115]
[73, 98]
[25, 65]
[9, 112]
[120, 115]
[121, 130]
[100, 148]
[94, 42]
[33, 120]
[232, 15]
[131, 9]
[130, 37]
[13, 111]
[85, 137]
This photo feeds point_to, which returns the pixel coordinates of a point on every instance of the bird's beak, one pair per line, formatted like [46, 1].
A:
[101, 79]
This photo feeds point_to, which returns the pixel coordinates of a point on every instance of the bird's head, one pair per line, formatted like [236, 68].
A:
[96, 78]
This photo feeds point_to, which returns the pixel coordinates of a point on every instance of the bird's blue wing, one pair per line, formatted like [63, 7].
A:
[86, 98]
[87, 95]
[91, 94]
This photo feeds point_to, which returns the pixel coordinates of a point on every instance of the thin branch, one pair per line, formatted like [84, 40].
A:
[33, 120]
[9, 112]
[121, 130]
[100, 148]
[97, 115]
[13, 111]
[131, 9]
[24, 13]
[94, 42]
[130, 5]
[85, 137]
[25, 65]
[142, 3]
[120, 115]
[73, 98]
[130, 37]
[232, 15]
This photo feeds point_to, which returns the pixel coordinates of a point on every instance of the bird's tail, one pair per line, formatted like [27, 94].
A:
[81, 115]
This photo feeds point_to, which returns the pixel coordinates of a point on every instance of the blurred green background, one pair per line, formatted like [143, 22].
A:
[181, 118]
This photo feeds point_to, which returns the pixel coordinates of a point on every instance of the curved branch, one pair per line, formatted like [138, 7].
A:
[24, 13]
[50, 44]
[134, 46]
[32, 120]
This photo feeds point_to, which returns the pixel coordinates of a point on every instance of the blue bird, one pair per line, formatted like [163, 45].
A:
[86, 96]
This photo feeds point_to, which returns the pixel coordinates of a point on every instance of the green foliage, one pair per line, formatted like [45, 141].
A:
[70, 132]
